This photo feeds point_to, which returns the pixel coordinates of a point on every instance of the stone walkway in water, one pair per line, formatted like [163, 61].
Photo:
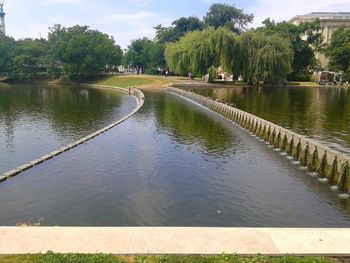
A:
[162, 240]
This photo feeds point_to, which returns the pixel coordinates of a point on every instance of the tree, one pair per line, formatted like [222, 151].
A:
[146, 55]
[177, 29]
[29, 58]
[6, 46]
[305, 40]
[339, 51]
[79, 52]
[265, 57]
[199, 50]
[224, 15]
[137, 54]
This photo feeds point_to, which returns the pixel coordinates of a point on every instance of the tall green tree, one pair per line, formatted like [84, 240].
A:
[29, 58]
[79, 52]
[178, 29]
[6, 46]
[305, 39]
[199, 50]
[137, 53]
[265, 57]
[224, 15]
[339, 51]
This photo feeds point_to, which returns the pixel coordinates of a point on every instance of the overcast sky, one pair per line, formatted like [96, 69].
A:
[126, 20]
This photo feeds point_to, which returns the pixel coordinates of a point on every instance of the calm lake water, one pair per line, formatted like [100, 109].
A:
[321, 113]
[171, 164]
[38, 119]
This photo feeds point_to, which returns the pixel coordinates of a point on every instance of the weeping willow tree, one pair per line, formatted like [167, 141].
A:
[198, 51]
[266, 58]
[253, 55]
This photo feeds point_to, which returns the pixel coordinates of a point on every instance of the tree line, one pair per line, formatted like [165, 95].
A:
[75, 53]
[271, 53]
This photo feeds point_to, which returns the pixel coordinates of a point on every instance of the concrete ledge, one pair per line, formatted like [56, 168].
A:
[181, 240]
[36, 162]
[11, 173]
[317, 157]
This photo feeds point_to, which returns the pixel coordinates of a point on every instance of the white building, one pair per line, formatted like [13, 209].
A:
[330, 22]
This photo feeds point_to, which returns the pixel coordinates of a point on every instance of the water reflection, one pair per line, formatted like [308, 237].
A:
[190, 126]
[36, 119]
[150, 171]
[321, 113]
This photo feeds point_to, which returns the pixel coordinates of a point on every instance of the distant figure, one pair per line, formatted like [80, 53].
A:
[190, 75]
[166, 73]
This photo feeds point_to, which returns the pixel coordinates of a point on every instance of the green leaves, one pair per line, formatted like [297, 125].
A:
[339, 51]
[224, 15]
[199, 50]
[305, 40]
[254, 55]
[79, 53]
[267, 58]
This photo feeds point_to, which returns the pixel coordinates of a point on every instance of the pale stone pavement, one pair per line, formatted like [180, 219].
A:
[175, 240]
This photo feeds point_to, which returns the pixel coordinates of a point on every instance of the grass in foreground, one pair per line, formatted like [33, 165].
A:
[101, 258]
[147, 81]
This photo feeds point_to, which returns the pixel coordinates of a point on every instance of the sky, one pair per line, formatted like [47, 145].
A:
[127, 20]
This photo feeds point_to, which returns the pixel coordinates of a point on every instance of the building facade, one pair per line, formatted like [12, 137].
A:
[330, 22]
[2, 20]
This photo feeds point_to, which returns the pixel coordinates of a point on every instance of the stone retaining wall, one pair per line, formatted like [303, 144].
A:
[140, 98]
[319, 158]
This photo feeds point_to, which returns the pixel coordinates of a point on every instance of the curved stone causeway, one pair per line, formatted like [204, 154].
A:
[137, 94]
[332, 165]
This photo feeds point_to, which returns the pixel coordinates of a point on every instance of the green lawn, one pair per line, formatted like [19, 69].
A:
[101, 258]
[124, 81]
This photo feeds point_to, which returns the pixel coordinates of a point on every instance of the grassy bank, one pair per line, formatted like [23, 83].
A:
[139, 81]
[100, 258]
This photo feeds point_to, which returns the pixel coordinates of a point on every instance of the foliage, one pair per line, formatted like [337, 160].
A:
[197, 51]
[224, 15]
[212, 72]
[305, 39]
[254, 55]
[6, 46]
[28, 58]
[145, 54]
[23, 59]
[79, 52]
[266, 57]
[178, 29]
[137, 53]
[339, 51]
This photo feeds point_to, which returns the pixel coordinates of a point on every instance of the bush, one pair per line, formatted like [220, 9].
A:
[299, 76]
[346, 76]
[212, 74]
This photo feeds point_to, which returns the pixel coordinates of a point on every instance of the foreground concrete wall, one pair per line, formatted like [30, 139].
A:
[175, 240]
[327, 162]
[140, 98]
